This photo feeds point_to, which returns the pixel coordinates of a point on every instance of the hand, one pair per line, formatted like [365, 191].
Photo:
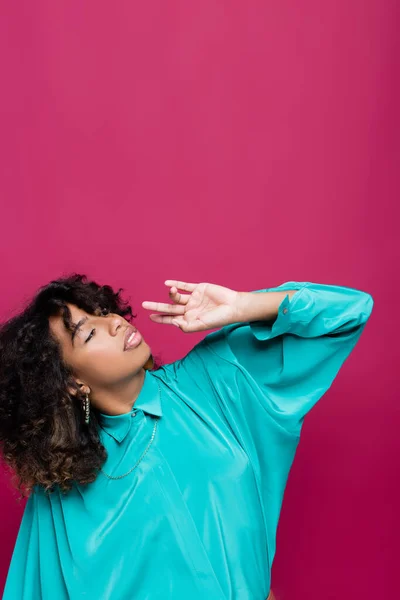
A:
[206, 306]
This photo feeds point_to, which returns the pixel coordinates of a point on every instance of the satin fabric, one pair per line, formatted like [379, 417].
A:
[198, 516]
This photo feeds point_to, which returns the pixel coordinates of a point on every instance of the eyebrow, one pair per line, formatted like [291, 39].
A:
[77, 327]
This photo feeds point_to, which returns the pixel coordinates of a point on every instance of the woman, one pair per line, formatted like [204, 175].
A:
[150, 481]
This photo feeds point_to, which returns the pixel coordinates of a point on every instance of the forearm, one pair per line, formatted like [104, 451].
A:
[258, 306]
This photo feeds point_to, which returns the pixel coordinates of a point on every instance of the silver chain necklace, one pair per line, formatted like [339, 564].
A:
[144, 453]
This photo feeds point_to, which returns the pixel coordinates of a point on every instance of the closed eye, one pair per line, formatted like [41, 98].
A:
[91, 334]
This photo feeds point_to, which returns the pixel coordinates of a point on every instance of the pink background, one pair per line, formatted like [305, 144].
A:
[242, 143]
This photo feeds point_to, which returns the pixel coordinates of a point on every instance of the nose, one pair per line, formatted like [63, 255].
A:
[115, 325]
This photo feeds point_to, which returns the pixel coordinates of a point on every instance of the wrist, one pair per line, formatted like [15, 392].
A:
[257, 306]
[246, 309]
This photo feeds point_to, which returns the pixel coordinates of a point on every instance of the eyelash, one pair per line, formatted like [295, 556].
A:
[94, 330]
[90, 336]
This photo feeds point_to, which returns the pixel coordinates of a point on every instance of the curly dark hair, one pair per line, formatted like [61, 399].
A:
[43, 436]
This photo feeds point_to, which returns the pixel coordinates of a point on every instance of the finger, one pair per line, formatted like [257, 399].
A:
[178, 297]
[182, 285]
[165, 319]
[174, 309]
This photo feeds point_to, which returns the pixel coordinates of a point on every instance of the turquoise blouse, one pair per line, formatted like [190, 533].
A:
[197, 518]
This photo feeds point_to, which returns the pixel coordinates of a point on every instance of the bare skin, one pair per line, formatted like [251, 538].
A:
[110, 376]
[113, 377]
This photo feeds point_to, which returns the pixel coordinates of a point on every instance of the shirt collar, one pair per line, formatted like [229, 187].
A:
[148, 400]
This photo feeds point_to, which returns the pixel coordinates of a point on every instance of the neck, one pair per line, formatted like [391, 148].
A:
[121, 398]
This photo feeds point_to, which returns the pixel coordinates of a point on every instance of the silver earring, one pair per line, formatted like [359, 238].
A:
[86, 408]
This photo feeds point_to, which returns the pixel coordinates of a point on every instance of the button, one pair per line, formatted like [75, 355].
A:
[285, 310]
[133, 414]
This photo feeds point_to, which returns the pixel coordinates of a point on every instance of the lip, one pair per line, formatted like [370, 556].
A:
[128, 333]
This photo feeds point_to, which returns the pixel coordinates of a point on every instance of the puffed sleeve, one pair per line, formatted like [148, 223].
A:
[295, 357]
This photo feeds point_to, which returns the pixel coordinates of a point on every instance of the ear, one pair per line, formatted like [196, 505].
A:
[83, 388]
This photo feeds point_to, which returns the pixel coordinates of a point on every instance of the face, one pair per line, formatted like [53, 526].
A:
[96, 355]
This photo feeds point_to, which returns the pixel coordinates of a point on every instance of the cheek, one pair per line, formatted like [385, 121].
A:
[101, 356]
[103, 361]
